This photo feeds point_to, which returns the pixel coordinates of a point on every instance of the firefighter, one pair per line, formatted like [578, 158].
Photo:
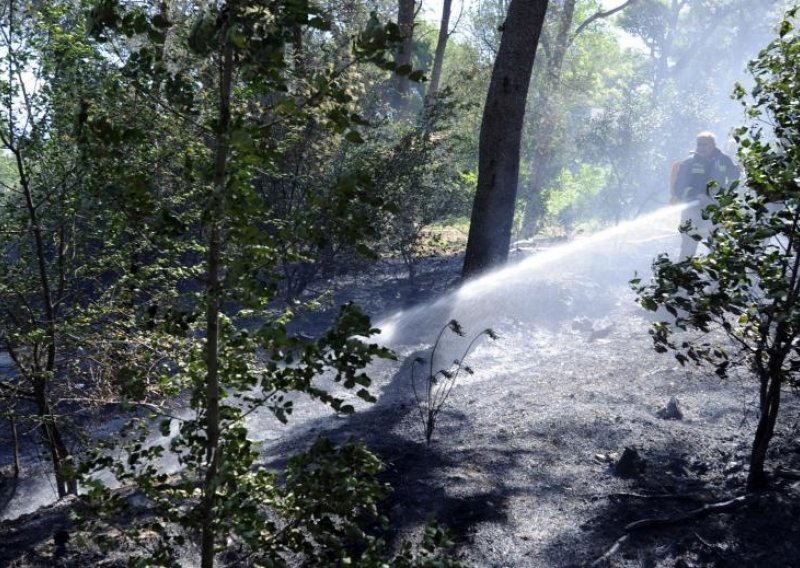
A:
[707, 166]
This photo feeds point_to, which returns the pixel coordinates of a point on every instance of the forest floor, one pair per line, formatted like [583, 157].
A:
[524, 466]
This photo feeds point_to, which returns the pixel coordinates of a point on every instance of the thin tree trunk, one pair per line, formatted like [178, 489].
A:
[15, 446]
[298, 52]
[441, 45]
[40, 374]
[770, 377]
[547, 141]
[213, 292]
[757, 478]
[405, 21]
[501, 131]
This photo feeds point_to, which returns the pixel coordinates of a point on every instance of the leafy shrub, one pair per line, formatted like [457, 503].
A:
[747, 288]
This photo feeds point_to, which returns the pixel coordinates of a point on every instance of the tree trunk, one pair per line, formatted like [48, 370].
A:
[41, 374]
[770, 404]
[213, 293]
[547, 127]
[15, 447]
[547, 143]
[501, 131]
[441, 45]
[405, 21]
[59, 454]
[298, 52]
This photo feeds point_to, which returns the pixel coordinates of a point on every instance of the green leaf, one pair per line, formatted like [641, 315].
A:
[160, 21]
[354, 137]
[202, 33]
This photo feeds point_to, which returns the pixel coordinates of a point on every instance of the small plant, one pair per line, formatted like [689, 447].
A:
[432, 392]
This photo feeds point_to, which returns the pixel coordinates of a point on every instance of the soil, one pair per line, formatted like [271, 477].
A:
[570, 428]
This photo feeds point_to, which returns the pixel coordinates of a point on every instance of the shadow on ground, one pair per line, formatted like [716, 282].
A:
[760, 533]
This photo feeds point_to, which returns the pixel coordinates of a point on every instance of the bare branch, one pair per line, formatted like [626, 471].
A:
[704, 511]
[454, 27]
[599, 16]
[701, 40]
[611, 551]
[14, 391]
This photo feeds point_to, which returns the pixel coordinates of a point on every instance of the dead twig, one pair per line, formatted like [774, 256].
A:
[656, 523]
[793, 474]
[704, 511]
[666, 496]
[611, 551]
[704, 542]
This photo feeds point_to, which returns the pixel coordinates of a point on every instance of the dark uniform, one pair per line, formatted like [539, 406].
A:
[695, 173]
[691, 186]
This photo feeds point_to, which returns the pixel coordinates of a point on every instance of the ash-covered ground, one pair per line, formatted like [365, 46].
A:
[524, 466]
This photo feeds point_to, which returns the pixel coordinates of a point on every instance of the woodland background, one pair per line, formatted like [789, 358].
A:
[182, 182]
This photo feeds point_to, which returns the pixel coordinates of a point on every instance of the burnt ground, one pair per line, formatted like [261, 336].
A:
[523, 466]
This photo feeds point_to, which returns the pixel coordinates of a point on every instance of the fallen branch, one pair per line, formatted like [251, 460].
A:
[611, 551]
[704, 511]
[793, 474]
[643, 524]
[666, 496]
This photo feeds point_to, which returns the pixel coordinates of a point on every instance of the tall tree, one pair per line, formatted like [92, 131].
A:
[38, 249]
[696, 51]
[546, 118]
[441, 46]
[405, 23]
[500, 137]
[547, 115]
[232, 84]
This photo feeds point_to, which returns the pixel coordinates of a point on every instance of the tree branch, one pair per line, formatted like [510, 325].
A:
[655, 523]
[694, 514]
[611, 551]
[599, 16]
[701, 40]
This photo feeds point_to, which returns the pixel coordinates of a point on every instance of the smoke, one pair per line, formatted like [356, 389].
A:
[584, 278]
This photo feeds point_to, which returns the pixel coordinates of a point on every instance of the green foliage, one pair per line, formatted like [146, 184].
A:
[635, 106]
[174, 172]
[9, 177]
[428, 554]
[56, 236]
[416, 170]
[625, 140]
[433, 387]
[572, 197]
[323, 511]
[573, 86]
[747, 287]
